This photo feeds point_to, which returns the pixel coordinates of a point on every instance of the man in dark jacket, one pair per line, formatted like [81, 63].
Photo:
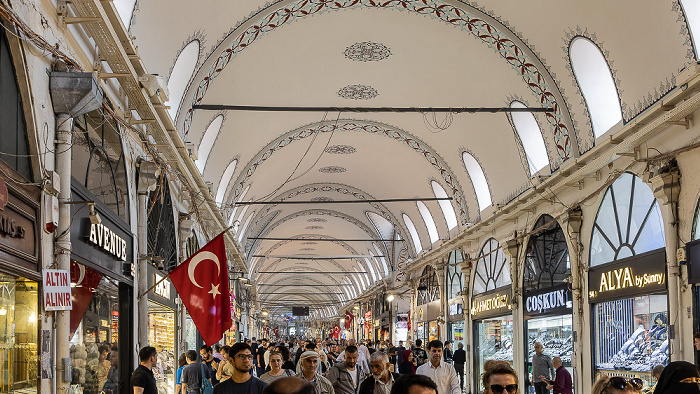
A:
[346, 376]
[382, 379]
[460, 358]
[562, 383]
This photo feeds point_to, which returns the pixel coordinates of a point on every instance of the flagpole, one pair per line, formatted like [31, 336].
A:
[168, 275]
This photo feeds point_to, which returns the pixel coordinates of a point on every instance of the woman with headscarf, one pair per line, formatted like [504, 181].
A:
[407, 364]
[679, 377]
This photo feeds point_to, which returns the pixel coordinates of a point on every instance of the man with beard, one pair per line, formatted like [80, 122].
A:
[242, 382]
[309, 362]
[346, 376]
[382, 379]
[442, 373]
[111, 385]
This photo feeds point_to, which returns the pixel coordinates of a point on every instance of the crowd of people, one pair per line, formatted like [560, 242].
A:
[347, 367]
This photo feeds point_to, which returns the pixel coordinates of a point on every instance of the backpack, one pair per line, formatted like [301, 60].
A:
[207, 387]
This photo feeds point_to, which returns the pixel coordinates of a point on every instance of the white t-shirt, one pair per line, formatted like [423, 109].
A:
[353, 375]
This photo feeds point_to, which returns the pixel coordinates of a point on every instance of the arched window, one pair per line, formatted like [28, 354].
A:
[14, 148]
[361, 277]
[98, 160]
[381, 258]
[161, 229]
[428, 287]
[476, 174]
[691, 9]
[492, 269]
[125, 8]
[429, 222]
[413, 232]
[454, 278]
[447, 210]
[597, 85]
[237, 224]
[181, 75]
[696, 223]
[241, 233]
[208, 142]
[224, 182]
[370, 269]
[531, 137]
[235, 207]
[547, 258]
[628, 222]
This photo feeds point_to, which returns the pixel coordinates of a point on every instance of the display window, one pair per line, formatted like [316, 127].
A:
[493, 340]
[19, 302]
[401, 328]
[555, 333]
[191, 334]
[631, 336]
[456, 331]
[433, 331]
[94, 325]
[421, 331]
[161, 335]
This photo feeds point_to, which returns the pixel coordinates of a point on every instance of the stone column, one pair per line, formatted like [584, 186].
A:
[512, 248]
[666, 187]
[468, 330]
[148, 176]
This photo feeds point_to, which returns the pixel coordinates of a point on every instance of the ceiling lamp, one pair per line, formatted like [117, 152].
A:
[390, 297]
[355, 307]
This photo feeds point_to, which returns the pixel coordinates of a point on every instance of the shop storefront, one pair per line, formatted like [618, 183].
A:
[162, 329]
[547, 299]
[367, 326]
[428, 301]
[491, 309]
[627, 283]
[454, 282]
[693, 255]
[101, 260]
[400, 328]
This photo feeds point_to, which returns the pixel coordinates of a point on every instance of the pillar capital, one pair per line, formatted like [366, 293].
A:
[511, 247]
[148, 176]
[665, 183]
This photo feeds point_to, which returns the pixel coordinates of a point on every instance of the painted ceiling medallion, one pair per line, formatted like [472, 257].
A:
[332, 169]
[367, 51]
[314, 227]
[340, 150]
[316, 220]
[358, 92]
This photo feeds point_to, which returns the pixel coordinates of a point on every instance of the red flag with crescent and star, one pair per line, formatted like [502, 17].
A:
[202, 284]
[348, 319]
[336, 331]
[277, 331]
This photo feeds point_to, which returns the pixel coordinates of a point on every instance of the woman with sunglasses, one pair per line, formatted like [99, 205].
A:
[499, 378]
[617, 385]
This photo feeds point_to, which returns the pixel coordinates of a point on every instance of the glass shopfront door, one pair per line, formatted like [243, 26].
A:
[19, 304]
[493, 340]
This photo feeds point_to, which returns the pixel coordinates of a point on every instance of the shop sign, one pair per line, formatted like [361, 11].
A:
[8, 226]
[555, 300]
[57, 291]
[163, 288]
[455, 309]
[641, 274]
[492, 304]
[101, 236]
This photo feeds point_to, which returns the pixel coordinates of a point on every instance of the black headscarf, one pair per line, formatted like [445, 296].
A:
[679, 377]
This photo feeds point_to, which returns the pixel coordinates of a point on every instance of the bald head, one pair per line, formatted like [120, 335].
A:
[289, 385]
[556, 362]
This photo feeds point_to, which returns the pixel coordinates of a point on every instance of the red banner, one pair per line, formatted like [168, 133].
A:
[349, 317]
[84, 282]
[202, 283]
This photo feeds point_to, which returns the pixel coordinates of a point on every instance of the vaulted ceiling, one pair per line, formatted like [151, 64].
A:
[401, 53]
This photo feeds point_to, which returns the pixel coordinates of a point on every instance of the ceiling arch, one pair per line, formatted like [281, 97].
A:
[469, 19]
[348, 125]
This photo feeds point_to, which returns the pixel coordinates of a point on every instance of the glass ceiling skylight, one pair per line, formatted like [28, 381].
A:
[531, 137]
[245, 226]
[447, 210]
[596, 83]
[476, 174]
[125, 8]
[235, 207]
[413, 232]
[429, 222]
[224, 182]
[208, 142]
[180, 76]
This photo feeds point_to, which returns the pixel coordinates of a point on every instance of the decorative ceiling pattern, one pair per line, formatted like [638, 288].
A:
[358, 92]
[340, 150]
[367, 51]
[332, 170]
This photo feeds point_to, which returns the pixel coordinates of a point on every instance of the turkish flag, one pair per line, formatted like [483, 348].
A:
[336, 331]
[84, 282]
[202, 283]
[277, 331]
[348, 319]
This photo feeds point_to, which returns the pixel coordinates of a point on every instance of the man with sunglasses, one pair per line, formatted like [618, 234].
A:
[242, 382]
[562, 383]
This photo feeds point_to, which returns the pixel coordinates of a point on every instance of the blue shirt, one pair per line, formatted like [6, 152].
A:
[179, 372]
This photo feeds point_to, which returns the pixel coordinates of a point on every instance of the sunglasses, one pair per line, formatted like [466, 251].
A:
[498, 389]
[621, 383]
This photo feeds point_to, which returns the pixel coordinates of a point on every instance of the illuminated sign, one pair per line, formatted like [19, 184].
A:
[492, 304]
[641, 274]
[163, 288]
[103, 237]
[455, 309]
[549, 301]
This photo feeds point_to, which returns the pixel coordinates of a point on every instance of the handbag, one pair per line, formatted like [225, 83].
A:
[207, 387]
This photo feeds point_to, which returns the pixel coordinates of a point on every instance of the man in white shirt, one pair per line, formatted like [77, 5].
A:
[442, 373]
